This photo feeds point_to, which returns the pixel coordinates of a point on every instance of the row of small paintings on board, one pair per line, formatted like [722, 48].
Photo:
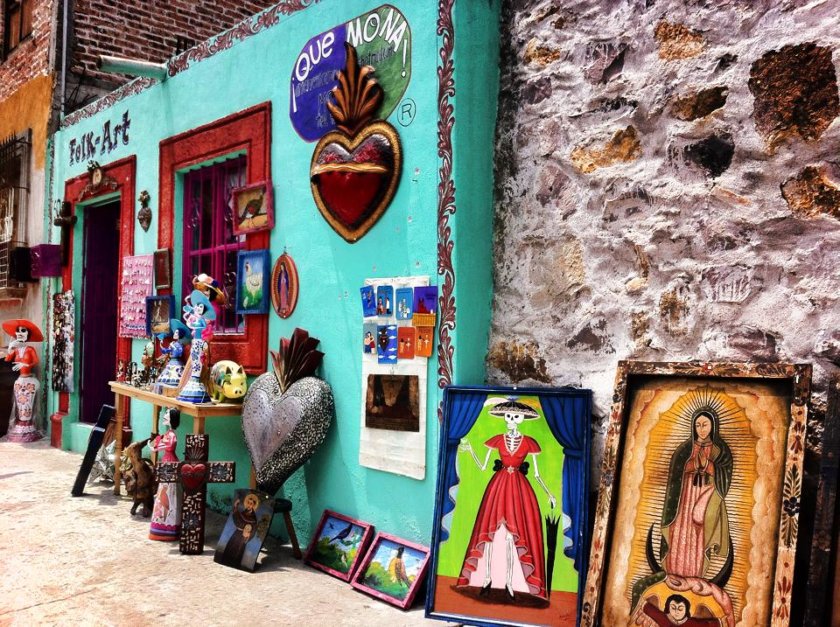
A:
[387, 567]
[406, 321]
[701, 477]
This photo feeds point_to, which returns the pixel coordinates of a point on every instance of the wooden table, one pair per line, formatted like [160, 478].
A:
[123, 391]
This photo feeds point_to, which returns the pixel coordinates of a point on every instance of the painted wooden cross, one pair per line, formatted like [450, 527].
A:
[194, 473]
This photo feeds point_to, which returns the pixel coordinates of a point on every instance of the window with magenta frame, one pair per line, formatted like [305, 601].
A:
[210, 245]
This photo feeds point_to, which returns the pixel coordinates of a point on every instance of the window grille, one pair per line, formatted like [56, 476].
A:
[209, 242]
[14, 197]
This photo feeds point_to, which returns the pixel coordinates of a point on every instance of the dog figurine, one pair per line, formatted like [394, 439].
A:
[139, 476]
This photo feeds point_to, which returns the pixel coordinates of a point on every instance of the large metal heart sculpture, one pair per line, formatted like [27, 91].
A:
[355, 168]
[282, 431]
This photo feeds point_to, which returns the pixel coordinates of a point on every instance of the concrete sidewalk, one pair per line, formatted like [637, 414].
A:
[87, 561]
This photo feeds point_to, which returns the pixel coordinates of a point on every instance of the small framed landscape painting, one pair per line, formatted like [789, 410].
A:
[698, 508]
[253, 208]
[337, 544]
[392, 570]
[510, 535]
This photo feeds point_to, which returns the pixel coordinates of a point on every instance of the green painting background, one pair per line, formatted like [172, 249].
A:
[474, 482]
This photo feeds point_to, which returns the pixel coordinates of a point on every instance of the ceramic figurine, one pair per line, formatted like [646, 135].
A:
[166, 514]
[227, 382]
[170, 377]
[199, 316]
[22, 427]
[210, 287]
[138, 474]
[121, 371]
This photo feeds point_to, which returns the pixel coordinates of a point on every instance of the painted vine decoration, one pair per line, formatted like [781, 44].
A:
[446, 193]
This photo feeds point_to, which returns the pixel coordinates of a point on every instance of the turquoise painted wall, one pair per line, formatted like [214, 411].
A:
[403, 242]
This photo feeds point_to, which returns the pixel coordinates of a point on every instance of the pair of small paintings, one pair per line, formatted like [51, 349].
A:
[392, 343]
[418, 304]
[245, 530]
[387, 567]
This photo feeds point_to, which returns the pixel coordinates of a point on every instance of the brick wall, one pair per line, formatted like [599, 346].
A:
[143, 29]
[31, 57]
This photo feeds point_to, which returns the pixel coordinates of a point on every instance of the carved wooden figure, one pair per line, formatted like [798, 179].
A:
[194, 473]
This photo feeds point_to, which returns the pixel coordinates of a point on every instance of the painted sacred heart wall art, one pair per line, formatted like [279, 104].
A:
[355, 168]
[286, 413]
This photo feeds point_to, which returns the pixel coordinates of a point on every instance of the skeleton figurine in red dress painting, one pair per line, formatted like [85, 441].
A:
[509, 515]
[22, 426]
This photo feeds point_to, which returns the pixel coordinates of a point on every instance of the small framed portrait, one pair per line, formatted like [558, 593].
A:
[252, 271]
[159, 310]
[386, 343]
[425, 306]
[284, 286]
[404, 302]
[163, 269]
[338, 544]
[392, 570]
[253, 208]
[369, 337]
[385, 301]
[393, 402]
[245, 530]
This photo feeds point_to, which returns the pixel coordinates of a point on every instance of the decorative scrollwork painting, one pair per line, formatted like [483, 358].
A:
[698, 511]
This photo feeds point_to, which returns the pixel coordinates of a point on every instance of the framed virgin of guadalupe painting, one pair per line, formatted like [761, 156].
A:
[510, 534]
[698, 510]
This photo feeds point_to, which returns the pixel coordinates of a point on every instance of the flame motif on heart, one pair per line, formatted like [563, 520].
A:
[355, 168]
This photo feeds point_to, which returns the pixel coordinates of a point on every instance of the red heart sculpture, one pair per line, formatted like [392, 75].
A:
[193, 476]
[355, 179]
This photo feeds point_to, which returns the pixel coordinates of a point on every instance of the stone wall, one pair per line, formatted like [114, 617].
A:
[667, 188]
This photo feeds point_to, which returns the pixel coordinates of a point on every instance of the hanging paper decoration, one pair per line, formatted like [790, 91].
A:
[136, 284]
[63, 335]
[355, 168]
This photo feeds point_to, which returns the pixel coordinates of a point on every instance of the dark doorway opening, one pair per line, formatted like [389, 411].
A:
[100, 263]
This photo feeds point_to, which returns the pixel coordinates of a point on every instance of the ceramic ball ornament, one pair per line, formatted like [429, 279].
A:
[286, 413]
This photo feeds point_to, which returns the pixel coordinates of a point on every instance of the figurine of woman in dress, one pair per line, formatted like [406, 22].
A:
[199, 316]
[22, 427]
[509, 514]
[166, 514]
[171, 375]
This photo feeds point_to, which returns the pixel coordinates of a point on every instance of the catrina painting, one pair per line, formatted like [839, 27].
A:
[510, 525]
[702, 519]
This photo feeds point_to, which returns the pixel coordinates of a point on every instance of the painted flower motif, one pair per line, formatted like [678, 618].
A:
[791, 506]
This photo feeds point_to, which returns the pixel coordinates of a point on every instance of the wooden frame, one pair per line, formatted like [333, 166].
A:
[156, 326]
[284, 305]
[415, 566]
[471, 501]
[256, 293]
[253, 208]
[163, 269]
[358, 530]
[762, 410]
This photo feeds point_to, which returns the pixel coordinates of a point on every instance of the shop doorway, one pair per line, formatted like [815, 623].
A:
[100, 263]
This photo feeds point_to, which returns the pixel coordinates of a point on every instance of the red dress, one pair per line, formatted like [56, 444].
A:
[510, 499]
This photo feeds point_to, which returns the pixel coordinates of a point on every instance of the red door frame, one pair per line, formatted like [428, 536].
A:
[77, 190]
[247, 131]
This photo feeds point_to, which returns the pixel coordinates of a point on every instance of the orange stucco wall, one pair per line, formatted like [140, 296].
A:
[29, 107]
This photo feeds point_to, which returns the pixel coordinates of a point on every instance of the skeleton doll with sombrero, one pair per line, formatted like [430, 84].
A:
[22, 426]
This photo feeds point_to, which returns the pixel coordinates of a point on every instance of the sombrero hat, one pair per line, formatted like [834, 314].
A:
[515, 406]
[197, 298]
[35, 335]
[186, 333]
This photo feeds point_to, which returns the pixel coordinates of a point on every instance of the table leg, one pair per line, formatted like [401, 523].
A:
[119, 403]
[155, 425]
[198, 424]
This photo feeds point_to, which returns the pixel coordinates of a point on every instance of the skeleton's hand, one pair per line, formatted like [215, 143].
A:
[552, 502]
[464, 445]
[17, 367]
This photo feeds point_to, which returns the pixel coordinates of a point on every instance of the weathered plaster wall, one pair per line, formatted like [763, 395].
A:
[666, 188]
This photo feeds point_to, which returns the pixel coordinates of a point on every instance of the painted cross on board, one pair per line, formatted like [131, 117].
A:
[194, 473]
